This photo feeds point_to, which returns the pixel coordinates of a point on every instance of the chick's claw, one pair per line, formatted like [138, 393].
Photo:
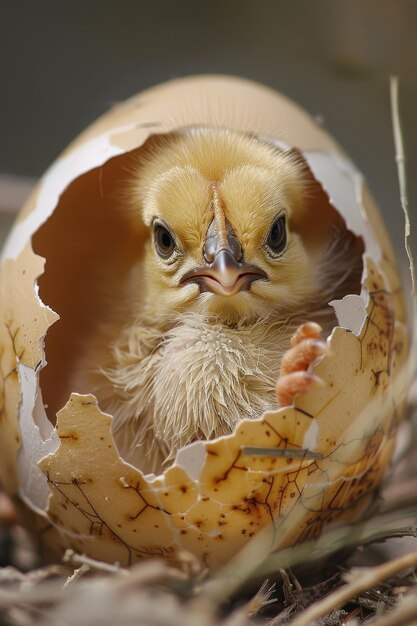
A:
[308, 330]
[294, 380]
[301, 356]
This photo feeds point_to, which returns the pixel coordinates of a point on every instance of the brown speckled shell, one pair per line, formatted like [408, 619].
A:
[215, 497]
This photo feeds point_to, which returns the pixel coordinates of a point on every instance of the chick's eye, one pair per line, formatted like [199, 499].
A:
[277, 237]
[164, 241]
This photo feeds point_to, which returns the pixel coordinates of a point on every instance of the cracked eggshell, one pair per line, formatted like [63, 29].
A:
[217, 495]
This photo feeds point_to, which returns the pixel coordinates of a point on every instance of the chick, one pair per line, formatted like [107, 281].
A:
[228, 275]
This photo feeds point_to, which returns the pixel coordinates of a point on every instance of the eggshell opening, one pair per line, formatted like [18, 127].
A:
[90, 246]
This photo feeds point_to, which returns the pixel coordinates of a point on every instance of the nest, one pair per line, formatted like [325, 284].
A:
[356, 574]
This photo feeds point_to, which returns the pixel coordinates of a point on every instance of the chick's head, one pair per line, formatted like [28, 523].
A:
[222, 209]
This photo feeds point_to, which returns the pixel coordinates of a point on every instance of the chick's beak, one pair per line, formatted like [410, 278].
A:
[224, 272]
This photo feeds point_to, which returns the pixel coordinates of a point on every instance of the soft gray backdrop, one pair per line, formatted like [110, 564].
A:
[64, 63]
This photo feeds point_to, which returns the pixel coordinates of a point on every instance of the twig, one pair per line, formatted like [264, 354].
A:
[77, 574]
[81, 559]
[362, 580]
[402, 177]
[288, 453]
[404, 613]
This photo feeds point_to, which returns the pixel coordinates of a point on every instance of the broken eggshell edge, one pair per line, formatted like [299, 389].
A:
[213, 498]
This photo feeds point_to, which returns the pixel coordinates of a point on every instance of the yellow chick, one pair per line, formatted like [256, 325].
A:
[230, 271]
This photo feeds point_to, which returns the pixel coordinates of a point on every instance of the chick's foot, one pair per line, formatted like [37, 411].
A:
[306, 347]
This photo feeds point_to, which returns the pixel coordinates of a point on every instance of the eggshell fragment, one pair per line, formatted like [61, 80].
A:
[25, 321]
[323, 457]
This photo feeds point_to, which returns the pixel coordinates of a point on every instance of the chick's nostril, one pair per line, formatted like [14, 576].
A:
[210, 249]
[216, 242]
[235, 247]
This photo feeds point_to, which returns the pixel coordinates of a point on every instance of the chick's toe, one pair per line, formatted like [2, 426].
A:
[301, 356]
[307, 347]
[293, 385]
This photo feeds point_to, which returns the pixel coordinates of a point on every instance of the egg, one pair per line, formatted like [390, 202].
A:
[292, 472]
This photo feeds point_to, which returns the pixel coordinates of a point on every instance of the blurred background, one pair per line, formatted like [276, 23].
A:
[64, 63]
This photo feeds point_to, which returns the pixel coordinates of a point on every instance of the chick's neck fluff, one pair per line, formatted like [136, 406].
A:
[229, 272]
